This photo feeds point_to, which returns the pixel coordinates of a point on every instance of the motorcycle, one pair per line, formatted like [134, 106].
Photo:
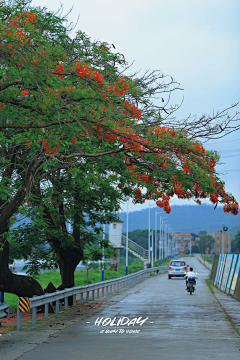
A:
[191, 284]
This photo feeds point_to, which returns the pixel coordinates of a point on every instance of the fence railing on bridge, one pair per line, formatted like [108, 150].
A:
[205, 262]
[132, 245]
[110, 286]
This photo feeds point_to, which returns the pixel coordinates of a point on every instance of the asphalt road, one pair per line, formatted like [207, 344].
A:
[179, 326]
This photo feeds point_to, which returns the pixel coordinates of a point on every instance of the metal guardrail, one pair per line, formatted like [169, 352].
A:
[114, 284]
[4, 310]
[135, 247]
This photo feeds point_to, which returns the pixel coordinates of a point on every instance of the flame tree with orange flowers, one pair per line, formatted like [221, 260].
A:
[67, 104]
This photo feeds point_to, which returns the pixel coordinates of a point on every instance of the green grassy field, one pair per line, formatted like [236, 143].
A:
[94, 276]
[209, 259]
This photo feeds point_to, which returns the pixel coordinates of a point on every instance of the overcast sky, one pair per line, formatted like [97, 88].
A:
[196, 42]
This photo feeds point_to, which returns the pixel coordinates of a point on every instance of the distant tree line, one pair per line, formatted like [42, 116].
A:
[235, 248]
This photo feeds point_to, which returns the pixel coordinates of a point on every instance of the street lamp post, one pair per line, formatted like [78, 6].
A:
[103, 253]
[151, 248]
[167, 241]
[162, 233]
[170, 242]
[149, 259]
[223, 240]
[156, 213]
[190, 245]
[127, 244]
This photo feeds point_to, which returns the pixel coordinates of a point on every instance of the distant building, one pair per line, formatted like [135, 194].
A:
[201, 233]
[115, 233]
[115, 239]
[182, 241]
[217, 249]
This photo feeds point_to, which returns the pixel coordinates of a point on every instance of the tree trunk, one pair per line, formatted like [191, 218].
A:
[69, 259]
[19, 285]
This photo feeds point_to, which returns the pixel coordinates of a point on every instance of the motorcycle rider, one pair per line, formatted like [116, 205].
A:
[190, 274]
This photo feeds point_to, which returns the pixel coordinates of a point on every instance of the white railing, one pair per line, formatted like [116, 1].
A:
[135, 247]
[205, 262]
[114, 284]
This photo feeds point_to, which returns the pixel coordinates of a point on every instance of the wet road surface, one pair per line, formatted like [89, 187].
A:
[179, 326]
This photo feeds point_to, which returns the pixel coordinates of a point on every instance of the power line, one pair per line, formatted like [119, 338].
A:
[222, 142]
[230, 170]
[223, 157]
[228, 150]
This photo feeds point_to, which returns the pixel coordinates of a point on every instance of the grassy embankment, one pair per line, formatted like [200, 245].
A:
[94, 276]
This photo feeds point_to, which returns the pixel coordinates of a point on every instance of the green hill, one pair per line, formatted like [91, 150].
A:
[187, 219]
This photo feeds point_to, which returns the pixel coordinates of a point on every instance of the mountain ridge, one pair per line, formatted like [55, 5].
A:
[184, 218]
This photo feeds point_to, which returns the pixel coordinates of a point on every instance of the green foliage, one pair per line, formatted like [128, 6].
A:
[205, 243]
[235, 244]
[187, 251]
[209, 259]
[194, 248]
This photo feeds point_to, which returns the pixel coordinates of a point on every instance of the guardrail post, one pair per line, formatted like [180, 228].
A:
[19, 316]
[103, 291]
[34, 315]
[110, 289]
[118, 286]
[92, 294]
[74, 300]
[98, 293]
[57, 304]
[46, 310]
[81, 298]
[87, 297]
[66, 302]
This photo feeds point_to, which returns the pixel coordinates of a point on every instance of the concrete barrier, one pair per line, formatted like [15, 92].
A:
[214, 268]
[225, 274]
[236, 294]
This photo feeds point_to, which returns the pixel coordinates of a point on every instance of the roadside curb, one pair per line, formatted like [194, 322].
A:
[229, 305]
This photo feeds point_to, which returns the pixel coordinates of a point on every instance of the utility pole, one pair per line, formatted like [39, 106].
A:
[155, 238]
[149, 259]
[152, 249]
[223, 240]
[190, 244]
[103, 254]
[127, 242]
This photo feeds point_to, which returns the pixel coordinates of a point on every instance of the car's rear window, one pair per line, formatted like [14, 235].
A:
[177, 263]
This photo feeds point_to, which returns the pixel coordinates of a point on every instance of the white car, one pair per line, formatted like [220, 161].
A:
[177, 268]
